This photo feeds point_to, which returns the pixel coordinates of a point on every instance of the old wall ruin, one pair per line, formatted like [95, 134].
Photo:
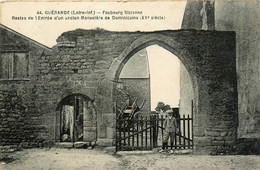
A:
[89, 62]
[243, 18]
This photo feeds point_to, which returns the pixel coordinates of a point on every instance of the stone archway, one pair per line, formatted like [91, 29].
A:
[213, 81]
[208, 56]
[76, 119]
[163, 41]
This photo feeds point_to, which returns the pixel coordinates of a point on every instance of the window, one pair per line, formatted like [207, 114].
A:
[14, 65]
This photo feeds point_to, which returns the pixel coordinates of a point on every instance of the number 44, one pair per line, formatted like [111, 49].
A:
[39, 12]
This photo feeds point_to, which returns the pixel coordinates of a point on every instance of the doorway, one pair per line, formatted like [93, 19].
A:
[73, 110]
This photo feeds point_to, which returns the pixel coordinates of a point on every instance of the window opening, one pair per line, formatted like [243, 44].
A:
[14, 65]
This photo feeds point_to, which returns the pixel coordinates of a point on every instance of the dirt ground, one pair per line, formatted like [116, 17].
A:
[56, 158]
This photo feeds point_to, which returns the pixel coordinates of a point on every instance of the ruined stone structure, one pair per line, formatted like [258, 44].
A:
[247, 27]
[81, 72]
[242, 17]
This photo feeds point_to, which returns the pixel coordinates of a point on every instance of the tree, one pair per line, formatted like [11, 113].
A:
[162, 107]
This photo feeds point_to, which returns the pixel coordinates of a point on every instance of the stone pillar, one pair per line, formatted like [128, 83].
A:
[89, 125]
[105, 113]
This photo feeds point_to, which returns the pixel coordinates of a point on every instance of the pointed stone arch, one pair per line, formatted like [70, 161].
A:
[209, 58]
[166, 42]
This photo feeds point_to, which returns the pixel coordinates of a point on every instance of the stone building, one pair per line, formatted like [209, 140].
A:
[135, 78]
[44, 91]
[79, 76]
[23, 66]
[21, 121]
[243, 18]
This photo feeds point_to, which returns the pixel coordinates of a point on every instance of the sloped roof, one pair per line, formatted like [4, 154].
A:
[137, 66]
[10, 40]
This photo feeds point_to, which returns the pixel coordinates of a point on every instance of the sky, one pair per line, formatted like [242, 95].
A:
[46, 32]
[163, 64]
[164, 76]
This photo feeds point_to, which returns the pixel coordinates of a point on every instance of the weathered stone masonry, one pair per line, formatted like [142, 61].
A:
[20, 120]
[89, 62]
[243, 18]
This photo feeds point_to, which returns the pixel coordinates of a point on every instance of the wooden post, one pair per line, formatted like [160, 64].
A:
[192, 122]
[180, 134]
[128, 133]
[115, 105]
[157, 131]
[175, 137]
[61, 122]
[120, 126]
[137, 129]
[151, 133]
[146, 131]
[133, 131]
[154, 131]
[162, 127]
[188, 131]
[184, 135]
[142, 140]
[124, 132]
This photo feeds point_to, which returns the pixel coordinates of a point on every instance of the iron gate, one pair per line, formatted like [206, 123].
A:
[146, 133]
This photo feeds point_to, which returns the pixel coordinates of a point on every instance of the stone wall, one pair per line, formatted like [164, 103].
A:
[21, 123]
[209, 81]
[243, 18]
[18, 125]
[89, 62]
